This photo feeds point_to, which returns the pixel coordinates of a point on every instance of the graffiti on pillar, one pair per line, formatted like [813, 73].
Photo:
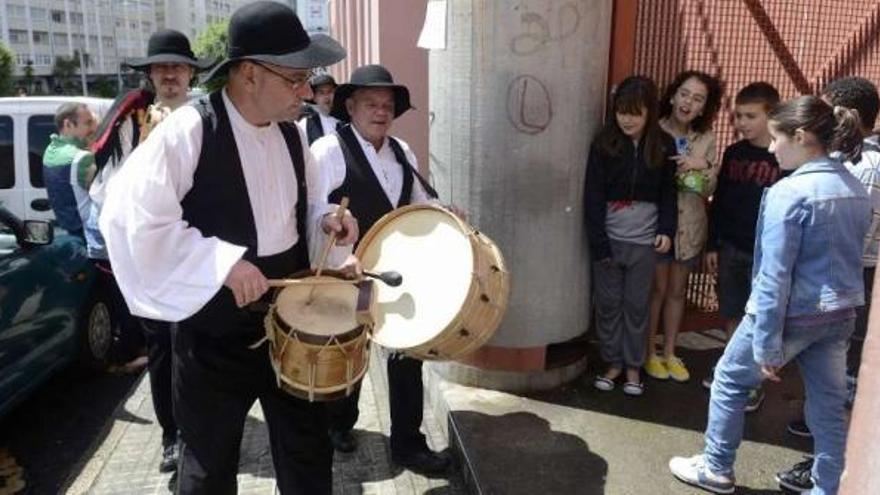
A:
[529, 108]
[538, 32]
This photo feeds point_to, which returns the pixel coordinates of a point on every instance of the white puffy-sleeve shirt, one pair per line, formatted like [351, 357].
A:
[166, 269]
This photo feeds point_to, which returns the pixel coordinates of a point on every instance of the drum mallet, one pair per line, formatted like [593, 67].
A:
[391, 278]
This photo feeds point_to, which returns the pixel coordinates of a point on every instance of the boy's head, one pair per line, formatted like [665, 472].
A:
[857, 93]
[752, 104]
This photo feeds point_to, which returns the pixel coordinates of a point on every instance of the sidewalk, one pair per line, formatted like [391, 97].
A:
[127, 460]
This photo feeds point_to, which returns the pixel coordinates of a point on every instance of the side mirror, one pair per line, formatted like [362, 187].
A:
[38, 233]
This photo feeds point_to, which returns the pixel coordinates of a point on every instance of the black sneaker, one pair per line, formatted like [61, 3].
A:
[797, 479]
[170, 455]
[343, 441]
[799, 428]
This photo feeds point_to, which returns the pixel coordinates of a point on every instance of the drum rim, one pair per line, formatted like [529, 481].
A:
[466, 229]
[310, 338]
[314, 339]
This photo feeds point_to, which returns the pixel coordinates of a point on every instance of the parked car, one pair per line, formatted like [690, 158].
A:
[52, 310]
[25, 126]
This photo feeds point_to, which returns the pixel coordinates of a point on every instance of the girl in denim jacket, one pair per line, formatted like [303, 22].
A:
[807, 282]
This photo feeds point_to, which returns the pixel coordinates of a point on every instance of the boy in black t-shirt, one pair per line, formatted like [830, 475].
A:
[747, 168]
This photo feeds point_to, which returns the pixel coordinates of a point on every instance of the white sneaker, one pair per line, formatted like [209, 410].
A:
[693, 471]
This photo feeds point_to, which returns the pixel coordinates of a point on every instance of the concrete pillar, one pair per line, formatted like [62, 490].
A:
[515, 99]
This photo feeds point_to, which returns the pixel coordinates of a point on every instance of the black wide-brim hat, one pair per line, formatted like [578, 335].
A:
[369, 76]
[271, 32]
[169, 47]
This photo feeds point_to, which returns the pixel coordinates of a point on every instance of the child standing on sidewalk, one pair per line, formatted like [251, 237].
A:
[806, 286]
[630, 212]
[861, 95]
[747, 169]
[687, 111]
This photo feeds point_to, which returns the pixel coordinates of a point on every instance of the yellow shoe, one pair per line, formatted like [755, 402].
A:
[676, 369]
[655, 367]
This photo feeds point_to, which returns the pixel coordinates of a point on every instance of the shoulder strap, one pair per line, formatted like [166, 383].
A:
[314, 129]
[401, 158]
[295, 148]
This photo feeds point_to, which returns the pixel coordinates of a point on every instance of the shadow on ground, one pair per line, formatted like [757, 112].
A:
[545, 461]
[685, 405]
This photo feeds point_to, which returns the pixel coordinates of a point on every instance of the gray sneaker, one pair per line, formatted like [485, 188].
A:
[693, 471]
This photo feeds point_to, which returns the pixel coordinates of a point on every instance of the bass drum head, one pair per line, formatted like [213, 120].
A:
[429, 247]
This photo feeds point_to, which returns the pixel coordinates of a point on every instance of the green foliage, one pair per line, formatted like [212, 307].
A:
[7, 66]
[211, 43]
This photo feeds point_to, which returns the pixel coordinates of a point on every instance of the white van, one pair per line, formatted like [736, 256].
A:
[25, 126]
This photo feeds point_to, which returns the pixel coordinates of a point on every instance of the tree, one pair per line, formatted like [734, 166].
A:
[7, 66]
[212, 43]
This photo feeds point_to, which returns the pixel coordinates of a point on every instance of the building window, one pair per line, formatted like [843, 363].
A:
[41, 37]
[59, 39]
[38, 14]
[57, 16]
[107, 41]
[18, 36]
[76, 18]
[16, 10]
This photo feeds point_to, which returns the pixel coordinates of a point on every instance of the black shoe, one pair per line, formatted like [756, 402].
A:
[799, 429]
[343, 441]
[797, 479]
[423, 461]
[170, 454]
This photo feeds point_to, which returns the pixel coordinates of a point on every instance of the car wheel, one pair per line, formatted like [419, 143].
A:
[96, 332]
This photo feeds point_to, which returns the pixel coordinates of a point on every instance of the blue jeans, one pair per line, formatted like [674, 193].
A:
[820, 353]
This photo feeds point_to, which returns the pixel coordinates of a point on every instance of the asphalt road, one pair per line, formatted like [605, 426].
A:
[43, 439]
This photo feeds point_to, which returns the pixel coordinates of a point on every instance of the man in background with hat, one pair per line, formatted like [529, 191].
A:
[377, 172]
[218, 199]
[170, 66]
[319, 122]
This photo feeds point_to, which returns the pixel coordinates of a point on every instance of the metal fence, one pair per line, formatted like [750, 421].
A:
[796, 45]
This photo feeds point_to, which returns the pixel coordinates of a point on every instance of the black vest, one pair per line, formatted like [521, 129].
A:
[314, 129]
[367, 200]
[219, 205]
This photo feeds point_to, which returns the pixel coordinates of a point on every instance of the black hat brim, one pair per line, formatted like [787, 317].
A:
[321, 52]
[200, 64]
[344, 92]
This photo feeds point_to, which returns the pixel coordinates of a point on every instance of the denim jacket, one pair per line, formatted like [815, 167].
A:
[808, 253]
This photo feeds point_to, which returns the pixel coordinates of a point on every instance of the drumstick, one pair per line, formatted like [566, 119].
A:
[340, 212]
[287, 282]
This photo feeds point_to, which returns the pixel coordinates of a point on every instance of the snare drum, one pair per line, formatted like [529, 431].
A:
[455, 285]
[318, 337]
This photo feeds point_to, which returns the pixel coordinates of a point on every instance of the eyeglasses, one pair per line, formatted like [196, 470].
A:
[296, 83]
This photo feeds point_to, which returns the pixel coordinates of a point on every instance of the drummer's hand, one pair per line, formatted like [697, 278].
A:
[346, 229]
[351, 267]
[458, 211]
[246, 282]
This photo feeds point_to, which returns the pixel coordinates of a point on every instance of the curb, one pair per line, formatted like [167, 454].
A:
[90, 466]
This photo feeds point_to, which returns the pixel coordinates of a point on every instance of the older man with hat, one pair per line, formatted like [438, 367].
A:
[319, 122]
[170, 66]
[378, 173]
[218, 199]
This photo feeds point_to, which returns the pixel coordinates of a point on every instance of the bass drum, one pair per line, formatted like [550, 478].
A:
[455, 285]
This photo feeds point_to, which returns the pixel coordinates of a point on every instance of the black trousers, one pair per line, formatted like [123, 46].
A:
[406, 401]
[857, 341]
[216, 381]
[158, 335]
